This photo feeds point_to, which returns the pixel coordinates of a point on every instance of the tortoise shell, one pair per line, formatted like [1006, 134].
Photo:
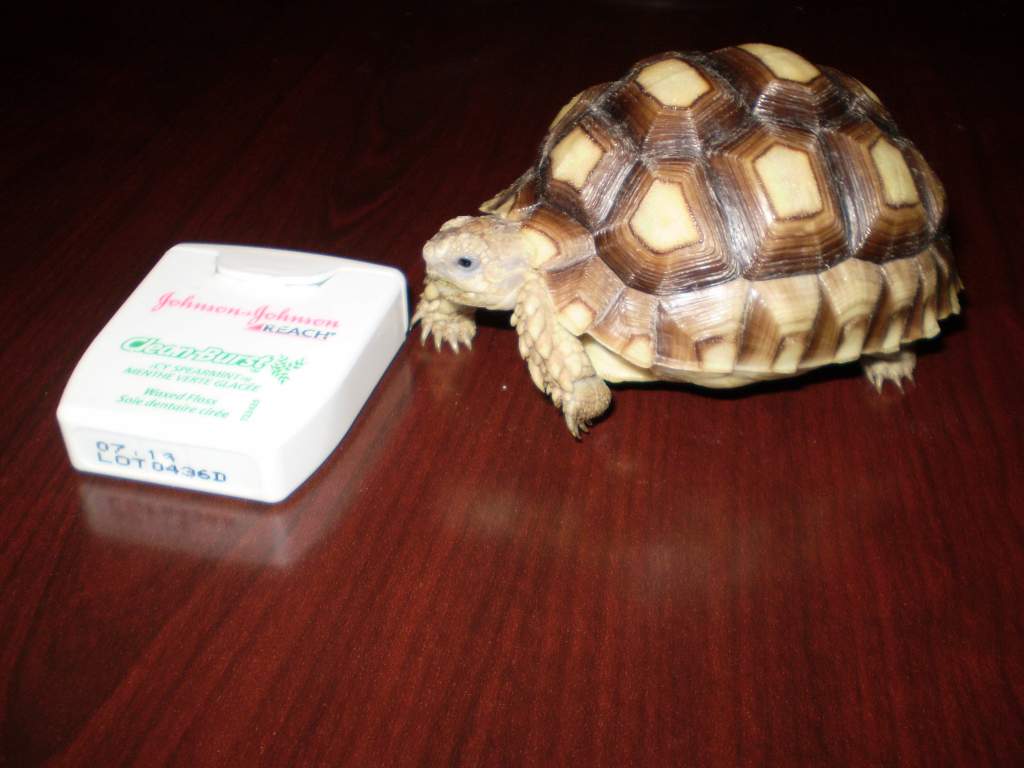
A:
[740, 213]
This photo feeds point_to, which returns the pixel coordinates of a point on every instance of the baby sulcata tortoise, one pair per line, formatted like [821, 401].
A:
[716, 219]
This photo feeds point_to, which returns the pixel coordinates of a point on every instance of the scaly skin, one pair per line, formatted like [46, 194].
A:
[895, 367]
[558, 363]
[485, 261]
[443, 320]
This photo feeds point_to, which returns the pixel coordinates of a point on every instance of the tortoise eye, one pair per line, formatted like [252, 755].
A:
[465, 262]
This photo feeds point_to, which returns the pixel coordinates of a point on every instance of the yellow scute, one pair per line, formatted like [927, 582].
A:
[672, 82]
[574, 157]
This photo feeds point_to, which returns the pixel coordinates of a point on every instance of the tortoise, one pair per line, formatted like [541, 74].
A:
[711, 218]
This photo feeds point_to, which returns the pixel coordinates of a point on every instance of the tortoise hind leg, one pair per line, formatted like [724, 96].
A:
[894, 367]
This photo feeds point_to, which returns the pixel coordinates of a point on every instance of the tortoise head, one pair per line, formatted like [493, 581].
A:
[478, 261]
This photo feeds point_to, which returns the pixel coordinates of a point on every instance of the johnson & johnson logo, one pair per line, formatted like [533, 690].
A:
[261, 319]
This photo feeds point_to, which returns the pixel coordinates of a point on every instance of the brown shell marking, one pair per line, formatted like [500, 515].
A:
[886, 207]
[780, 86]
[673, 106]
[742, 211]
[666, 234]
[790, 324]
[786, 216]
[863, 102]
[583, 172]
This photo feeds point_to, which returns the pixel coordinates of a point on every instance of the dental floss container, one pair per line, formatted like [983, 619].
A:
[233, 370]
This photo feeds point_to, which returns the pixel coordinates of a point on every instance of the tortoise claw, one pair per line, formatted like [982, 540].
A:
[893, 367]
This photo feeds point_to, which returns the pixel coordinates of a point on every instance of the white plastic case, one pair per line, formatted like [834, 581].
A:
[233, 370]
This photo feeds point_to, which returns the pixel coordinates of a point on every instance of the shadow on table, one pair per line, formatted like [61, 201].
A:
[206, 526]
[223, 528]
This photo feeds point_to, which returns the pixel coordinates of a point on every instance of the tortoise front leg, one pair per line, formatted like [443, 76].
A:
[558, 363]
[443, 319]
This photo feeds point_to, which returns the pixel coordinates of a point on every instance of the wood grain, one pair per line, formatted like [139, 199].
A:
[802, 573]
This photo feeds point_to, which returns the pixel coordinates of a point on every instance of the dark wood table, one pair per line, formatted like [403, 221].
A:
[803, 573]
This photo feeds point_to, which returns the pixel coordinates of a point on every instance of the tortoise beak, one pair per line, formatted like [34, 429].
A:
[430, 255]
